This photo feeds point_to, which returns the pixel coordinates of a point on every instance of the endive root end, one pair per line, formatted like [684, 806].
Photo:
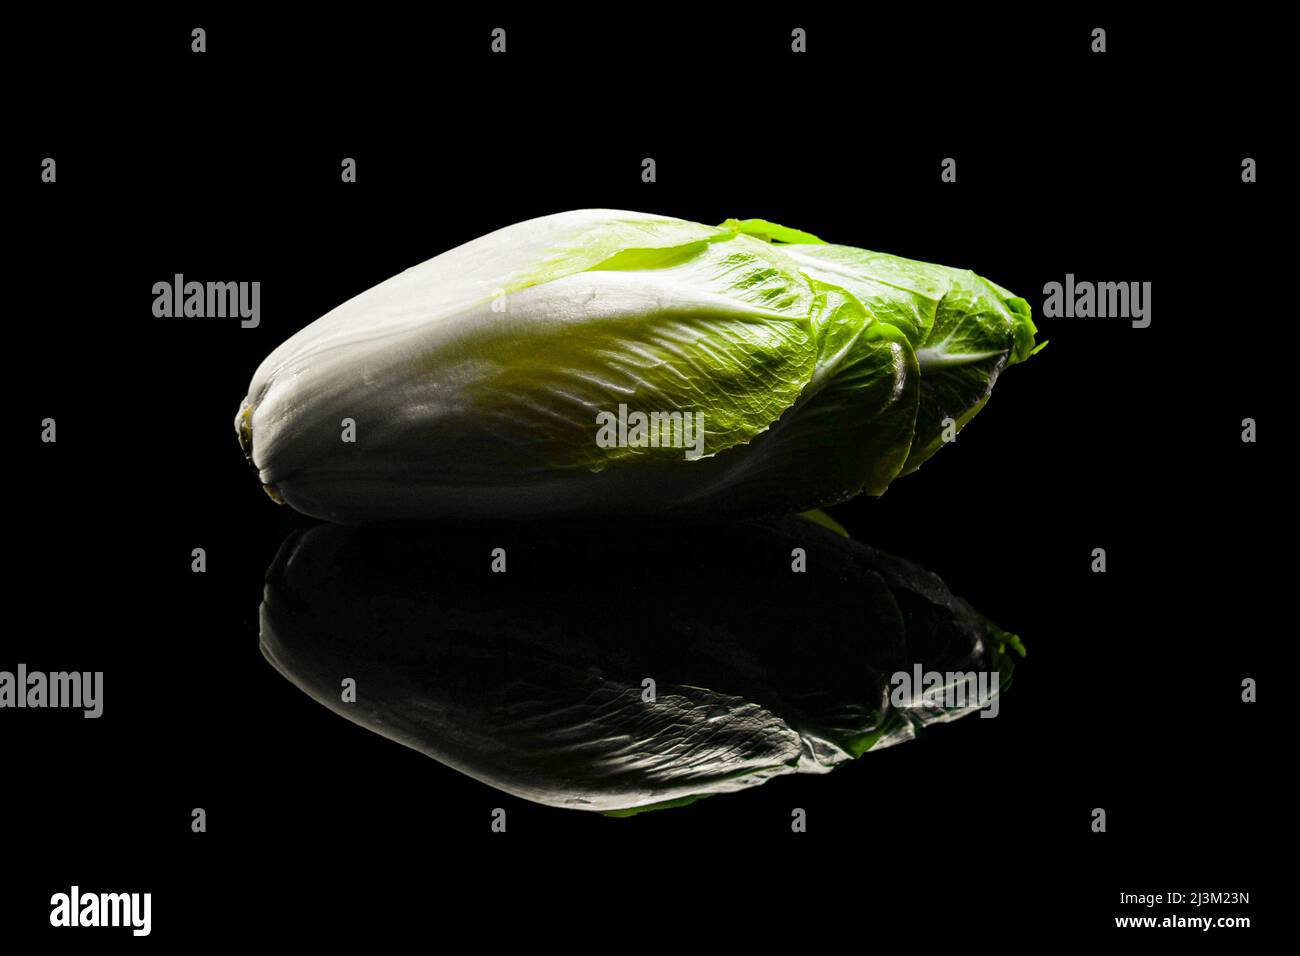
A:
[245, 431]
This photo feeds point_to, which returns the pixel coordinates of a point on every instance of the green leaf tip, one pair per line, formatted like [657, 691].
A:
[826, 521]
[770, 231]
[1005, 640]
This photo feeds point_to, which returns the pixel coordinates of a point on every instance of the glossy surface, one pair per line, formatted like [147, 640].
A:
[533, 680]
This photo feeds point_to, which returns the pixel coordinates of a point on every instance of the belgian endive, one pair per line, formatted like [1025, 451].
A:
[605, 362]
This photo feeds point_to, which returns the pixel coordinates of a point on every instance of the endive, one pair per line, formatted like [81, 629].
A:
[483, 383]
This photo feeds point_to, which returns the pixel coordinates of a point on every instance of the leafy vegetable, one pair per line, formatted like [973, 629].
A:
[484, 383]
[539, 688]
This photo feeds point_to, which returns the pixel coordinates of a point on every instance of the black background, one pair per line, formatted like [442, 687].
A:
[1119, 167]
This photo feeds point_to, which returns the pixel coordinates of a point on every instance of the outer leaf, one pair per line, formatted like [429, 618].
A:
[965, 329]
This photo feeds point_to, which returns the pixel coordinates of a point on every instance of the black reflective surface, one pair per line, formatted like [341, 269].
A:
[611, 671]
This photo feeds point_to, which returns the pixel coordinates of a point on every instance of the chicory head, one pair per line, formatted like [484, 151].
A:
[602, 362]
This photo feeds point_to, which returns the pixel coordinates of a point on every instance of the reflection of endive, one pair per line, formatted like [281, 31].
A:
[535, 680]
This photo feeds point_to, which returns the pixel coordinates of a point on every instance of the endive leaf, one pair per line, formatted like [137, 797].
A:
[964, 329]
